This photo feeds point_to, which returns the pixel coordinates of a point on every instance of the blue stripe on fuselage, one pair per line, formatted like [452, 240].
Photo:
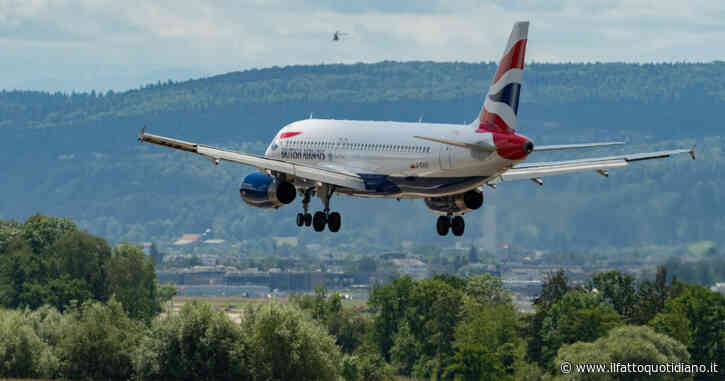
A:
[389, 185]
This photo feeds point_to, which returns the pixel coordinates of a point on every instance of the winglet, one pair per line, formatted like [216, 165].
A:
[140, 134]
[692, 151]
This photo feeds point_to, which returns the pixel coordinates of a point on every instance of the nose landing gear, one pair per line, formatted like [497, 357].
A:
[305, 218]
[333, 220]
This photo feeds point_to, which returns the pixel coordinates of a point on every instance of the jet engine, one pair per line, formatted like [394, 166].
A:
[262, 191]
[456, 204]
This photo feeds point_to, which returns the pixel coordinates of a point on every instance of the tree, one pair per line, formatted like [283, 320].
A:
[618, 289]
[391, 302]
[432, 316]
[166, 293]
[577, 316]
[41, 232]
[451, 280]
[697, 318]
[286, 344]
[98, 342]
[487, 289]
[198, 343]
[623, 345]
[405, 351]
[79, 256]
[23, 277]
[365, 365]
[22, 353]
[554, 288]
[651, 297]
[348, 327]
[9, 230]
[320, 303]
[673, 324]
[132, 280]
[486, 343]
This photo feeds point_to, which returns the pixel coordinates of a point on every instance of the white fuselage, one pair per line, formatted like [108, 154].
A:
[391, 152]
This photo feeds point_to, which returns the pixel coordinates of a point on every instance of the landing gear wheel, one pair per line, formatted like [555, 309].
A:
[458, 225]
[308, 219]
[300, 219]
[444, 223]
[319, 221]
[334, 221]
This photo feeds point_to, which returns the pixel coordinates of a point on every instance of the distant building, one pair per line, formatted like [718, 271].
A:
[413, 267]
[187, 239]
[289, 241]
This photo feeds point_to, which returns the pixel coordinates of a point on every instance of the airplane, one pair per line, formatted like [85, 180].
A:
[337, 36]
[446, 165]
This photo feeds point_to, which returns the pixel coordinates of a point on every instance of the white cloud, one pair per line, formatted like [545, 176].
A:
[101, 44]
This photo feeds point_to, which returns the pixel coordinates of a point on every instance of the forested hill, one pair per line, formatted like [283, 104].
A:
[75, 155]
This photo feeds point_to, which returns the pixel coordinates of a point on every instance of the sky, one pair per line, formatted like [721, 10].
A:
[83, 45]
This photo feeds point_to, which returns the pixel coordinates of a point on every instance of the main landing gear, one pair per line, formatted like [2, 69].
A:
[455, 224]
[333, 220]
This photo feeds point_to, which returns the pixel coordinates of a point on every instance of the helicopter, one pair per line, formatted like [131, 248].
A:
[337, 36]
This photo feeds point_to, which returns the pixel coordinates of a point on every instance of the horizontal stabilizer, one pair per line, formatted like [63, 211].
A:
[558, 147]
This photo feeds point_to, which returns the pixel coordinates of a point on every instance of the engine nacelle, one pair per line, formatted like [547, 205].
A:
[456, 204]
[262, 191]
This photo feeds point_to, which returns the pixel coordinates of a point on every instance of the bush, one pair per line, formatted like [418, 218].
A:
[626, 344]
[22, 353]
[367, 365]
[198, 343]
[98, 341]
[289, 345]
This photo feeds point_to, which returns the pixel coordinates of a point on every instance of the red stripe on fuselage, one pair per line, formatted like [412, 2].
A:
[514, 59]
[286, 135]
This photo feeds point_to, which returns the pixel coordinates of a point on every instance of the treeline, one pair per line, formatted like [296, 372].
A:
[449, 327]
[78, 309]
[97, 341]
[372, 84]
[446, 328]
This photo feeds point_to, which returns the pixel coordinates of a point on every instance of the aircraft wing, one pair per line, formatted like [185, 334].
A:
[325, 175]
[534, 171]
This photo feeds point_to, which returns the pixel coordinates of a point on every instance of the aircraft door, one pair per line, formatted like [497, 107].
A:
[446, 156]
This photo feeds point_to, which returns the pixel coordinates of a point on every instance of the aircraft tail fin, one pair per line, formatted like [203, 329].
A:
[501, 104]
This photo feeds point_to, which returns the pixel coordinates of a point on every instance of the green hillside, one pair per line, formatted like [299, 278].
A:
[75, 155]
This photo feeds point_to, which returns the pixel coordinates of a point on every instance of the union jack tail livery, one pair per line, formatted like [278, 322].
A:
[502, 101]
